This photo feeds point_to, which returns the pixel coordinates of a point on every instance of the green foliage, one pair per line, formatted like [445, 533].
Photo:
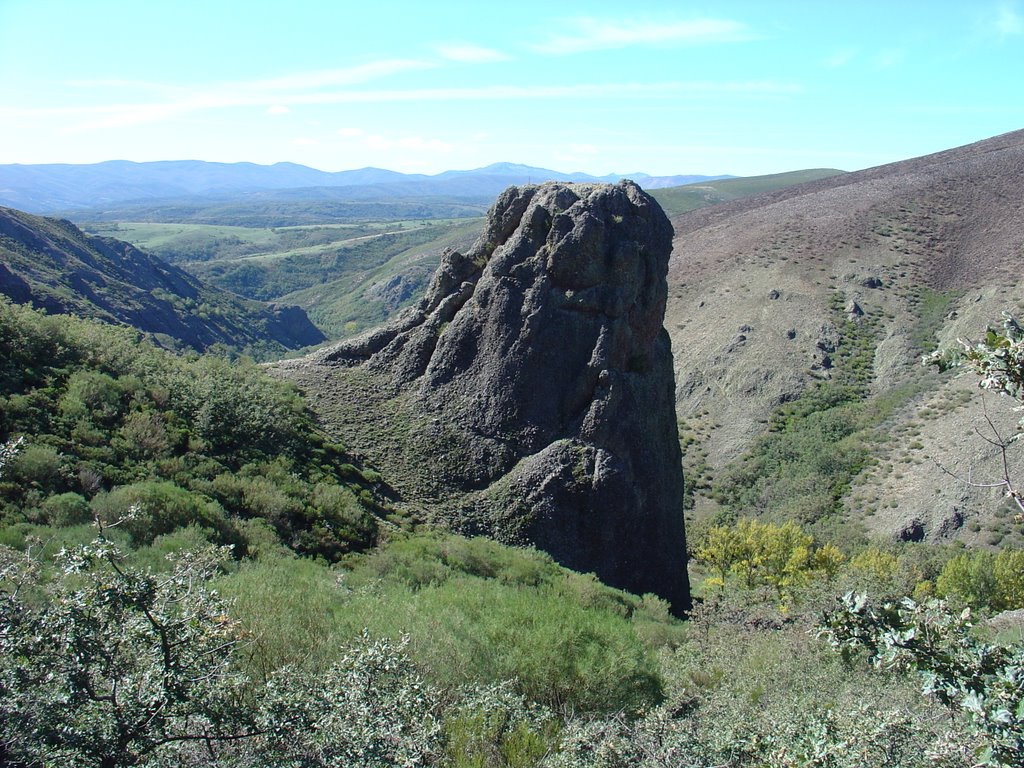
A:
[998, 361]
[493, 727]
[284, 212]
[154, 508]
[816, 445]
[109, 665]
[104, 665]
[983, 579]
[370, 709]
[966, 675]
[66, 509]
[779, 556]
[291, 267]
[291, 611]
[115, 422]
[475, 612]
[66, 271]
[751, 687]
[743, 686]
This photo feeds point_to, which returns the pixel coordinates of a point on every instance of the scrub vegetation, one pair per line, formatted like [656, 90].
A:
[193, 575]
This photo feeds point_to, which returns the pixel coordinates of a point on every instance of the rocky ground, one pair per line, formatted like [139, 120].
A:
[929, 250]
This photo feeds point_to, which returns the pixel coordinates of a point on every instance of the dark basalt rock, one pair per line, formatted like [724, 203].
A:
[535, 380]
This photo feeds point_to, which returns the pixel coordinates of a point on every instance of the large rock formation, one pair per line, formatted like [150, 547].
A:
[530, 396]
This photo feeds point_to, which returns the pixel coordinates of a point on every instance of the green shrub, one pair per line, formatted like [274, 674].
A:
[39, 467]
[568, 642]
[149, 509]
[66, 509]
[102, 410]
[494, 727]
[290, 610]
[985, 580]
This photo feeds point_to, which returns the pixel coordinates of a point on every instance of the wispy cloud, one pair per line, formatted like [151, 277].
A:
[590, 34]
[586, 90]
[1008, 21]
[841, 58]
[888, 58]
[120, 115]
[275, 95]
[325, 78]
[470, 54]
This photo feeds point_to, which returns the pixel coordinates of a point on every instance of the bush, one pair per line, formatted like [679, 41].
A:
[110, 667]
[66, 509]
[104, 410]
[984, 580]
[150, 509]
[966, 675]
[568, 643]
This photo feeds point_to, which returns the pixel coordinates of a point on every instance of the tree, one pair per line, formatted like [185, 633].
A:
[985, 580]
[999, 362]
[983, 681]
[106, 666]
[763, 553]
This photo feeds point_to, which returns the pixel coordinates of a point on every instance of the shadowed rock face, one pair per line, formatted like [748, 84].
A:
[535, 381]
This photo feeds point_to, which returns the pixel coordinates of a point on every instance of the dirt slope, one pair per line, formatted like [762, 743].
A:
[928, 249]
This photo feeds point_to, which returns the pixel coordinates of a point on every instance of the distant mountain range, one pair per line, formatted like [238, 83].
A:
[66, 188]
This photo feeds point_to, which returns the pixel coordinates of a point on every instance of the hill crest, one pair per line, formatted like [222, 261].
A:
[55, 266]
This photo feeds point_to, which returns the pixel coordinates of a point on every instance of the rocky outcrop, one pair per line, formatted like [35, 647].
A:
[533, 387]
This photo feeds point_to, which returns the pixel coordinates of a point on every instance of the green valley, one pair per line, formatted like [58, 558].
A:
[347, 277]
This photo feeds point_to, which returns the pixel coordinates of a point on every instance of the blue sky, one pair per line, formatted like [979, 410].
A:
[605, 87]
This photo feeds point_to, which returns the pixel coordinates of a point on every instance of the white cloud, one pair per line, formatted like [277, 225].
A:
[219, 98]
[888, 58]
[324, 78]
[1008, 21]
[585, 90]
[278, 109]
[589, 34]
[299, 88]
[470, 54]
[841, 58]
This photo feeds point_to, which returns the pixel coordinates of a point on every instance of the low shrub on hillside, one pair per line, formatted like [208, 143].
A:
[475, 612]
[107, 421]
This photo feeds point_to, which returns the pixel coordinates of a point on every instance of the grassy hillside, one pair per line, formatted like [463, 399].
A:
[676, 200]
[54, 265]
[186, 243]
[109, 421]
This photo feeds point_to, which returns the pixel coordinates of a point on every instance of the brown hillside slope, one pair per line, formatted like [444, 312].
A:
[929, 249]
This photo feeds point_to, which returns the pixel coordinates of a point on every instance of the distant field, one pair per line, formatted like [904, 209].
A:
[346, 276]
[282, 211]
[676, 200]
[186, 243]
